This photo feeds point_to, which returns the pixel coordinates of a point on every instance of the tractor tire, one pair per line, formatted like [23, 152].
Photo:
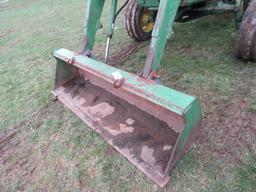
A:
[138, 25]
[246, 38]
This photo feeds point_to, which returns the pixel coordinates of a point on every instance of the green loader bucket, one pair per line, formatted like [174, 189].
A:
[149, 124]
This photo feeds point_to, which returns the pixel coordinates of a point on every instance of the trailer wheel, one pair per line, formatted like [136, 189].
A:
[139, 21]
[246, 38]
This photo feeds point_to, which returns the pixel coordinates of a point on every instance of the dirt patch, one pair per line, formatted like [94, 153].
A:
[191, 51]
[230, 131]
[247, 82]
[120, 55]
[230, 127]
[124, 53]
[35, 120]
[5, 33]
[20, 158]
[110, 151]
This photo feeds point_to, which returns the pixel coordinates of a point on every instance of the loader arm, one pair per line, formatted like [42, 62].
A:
[165, 18]
[91, 23]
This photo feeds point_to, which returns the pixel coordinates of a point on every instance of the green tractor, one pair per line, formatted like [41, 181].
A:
[141, 17]
[150, 124]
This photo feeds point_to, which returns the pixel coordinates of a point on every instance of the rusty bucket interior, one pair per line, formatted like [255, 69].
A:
[152, 144]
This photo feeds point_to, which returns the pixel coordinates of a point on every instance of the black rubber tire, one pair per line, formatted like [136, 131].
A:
[132, 22]
[246, 37]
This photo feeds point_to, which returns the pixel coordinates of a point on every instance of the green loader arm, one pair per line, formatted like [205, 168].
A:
[92, 20]
[164, 21]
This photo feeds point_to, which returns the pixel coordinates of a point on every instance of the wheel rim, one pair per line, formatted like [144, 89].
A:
[147, 20]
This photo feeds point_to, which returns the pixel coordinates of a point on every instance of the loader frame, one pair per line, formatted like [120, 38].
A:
[179, 113]
[157, 124]
[168, 13]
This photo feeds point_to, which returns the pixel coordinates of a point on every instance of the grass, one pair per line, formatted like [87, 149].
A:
[199, 60]
[246, 174]
[253, 106]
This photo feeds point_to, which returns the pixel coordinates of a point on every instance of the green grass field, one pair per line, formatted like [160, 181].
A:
[44, 147]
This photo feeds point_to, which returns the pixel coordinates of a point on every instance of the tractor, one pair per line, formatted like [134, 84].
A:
[151, 125]
[141, 17]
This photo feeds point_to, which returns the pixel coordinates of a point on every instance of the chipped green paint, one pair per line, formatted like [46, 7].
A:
[175, 101]
[192, 119]
[165, 19]
[91, 23]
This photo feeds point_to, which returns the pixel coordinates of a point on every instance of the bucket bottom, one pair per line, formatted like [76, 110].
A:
[143, 139]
